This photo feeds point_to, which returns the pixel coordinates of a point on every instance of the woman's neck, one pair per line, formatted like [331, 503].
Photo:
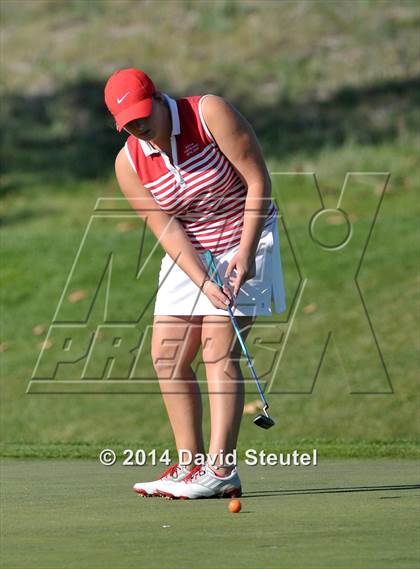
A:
[163, 141]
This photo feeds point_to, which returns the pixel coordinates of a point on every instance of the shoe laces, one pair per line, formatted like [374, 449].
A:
[171, 471]
[195, 473]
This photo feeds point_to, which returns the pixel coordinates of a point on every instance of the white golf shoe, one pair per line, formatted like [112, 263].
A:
[174, 474]
[201, 482]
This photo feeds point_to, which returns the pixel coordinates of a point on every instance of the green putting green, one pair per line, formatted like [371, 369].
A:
[345, 513]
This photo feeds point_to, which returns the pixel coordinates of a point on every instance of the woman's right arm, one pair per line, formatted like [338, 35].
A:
[167, 229]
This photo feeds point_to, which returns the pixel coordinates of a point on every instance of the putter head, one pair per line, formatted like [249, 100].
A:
[264, 421]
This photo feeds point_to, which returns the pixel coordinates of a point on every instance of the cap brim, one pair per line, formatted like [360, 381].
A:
[138, 111]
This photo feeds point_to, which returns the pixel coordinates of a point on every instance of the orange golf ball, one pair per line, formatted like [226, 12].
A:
[235, 506]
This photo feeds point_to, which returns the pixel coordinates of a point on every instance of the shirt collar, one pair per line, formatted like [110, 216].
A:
[147, 148]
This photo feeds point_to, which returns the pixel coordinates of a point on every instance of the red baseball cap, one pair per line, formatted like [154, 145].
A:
[128, 95]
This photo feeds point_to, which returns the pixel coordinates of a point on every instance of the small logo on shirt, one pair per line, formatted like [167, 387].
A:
[191, 148]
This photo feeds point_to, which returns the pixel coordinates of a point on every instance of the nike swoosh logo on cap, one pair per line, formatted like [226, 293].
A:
[119, 101]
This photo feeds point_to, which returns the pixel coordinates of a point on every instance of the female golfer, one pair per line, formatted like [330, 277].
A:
[193, 170]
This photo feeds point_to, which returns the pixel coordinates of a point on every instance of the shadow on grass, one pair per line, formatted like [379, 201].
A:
[365, 115]
[64, 135]
[312, 491]
[69, 134]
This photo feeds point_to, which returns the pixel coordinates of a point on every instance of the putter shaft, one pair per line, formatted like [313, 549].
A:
[214, 273]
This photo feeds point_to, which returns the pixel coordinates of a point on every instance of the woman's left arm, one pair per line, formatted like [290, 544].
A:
[238, 142]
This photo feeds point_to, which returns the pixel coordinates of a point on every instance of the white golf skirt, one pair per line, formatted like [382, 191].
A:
[178, 295]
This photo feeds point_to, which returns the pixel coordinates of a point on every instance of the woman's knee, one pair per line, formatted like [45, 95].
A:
[216, 352]
[173, 356]
[220, 343]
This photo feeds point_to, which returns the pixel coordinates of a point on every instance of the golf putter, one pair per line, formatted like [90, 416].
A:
[262, 420]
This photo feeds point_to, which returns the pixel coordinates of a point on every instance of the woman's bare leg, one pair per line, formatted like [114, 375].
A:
[175, 343]
[221, 353]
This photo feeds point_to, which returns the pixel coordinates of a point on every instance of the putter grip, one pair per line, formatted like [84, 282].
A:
[213, 274]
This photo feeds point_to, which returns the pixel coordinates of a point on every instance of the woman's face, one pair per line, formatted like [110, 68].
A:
[150, 127]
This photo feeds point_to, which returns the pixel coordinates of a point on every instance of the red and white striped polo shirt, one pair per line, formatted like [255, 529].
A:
[199, 187]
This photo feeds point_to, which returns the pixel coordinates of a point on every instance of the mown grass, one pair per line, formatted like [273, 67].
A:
[329, 92]
[77, 513]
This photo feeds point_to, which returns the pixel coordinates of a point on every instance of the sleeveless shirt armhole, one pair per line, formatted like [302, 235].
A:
[203, 122]
[129, 157]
